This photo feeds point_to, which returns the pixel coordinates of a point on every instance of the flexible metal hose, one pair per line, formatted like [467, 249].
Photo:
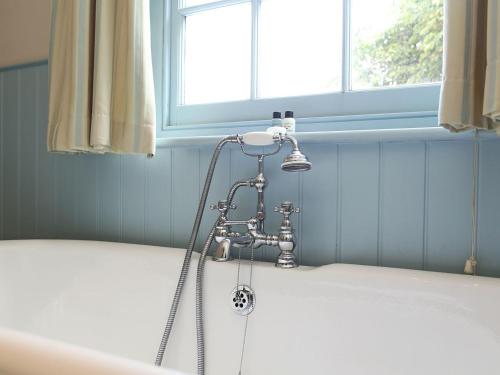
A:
[200, 336]
[192, 241]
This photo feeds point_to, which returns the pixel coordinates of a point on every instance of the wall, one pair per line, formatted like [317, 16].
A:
[24, 31]
[401, 204]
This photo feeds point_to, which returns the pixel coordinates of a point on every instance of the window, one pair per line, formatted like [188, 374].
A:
[236, 60]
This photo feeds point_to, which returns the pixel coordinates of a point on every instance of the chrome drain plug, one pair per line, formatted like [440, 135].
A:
[243, 300]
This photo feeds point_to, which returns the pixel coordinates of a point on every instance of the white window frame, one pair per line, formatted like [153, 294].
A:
[394, 99]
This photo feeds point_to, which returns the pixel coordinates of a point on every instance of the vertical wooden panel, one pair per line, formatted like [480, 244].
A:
[45, 220]
[489, 209]
[27, 152]
[281, 186]
[11, 160]
[86, 188]
[186, 190]
[133, 198]
[319, 206]
[449, 216]
[359, 194]
[402, 214]
[65, 196]
[218, 189]
[109, 198]
[159, 198]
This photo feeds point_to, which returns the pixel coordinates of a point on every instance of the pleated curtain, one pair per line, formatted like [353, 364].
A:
[470, 92]
[101, 95]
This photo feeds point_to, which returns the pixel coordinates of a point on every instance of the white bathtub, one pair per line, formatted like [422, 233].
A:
[337, 319]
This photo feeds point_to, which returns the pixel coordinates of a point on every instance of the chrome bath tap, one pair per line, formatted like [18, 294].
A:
[253, 233]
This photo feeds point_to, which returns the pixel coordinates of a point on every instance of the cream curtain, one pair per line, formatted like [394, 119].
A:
[470, 93]
[101, 78]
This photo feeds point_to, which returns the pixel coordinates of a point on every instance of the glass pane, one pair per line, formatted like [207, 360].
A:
[300, 47]
[217, 55]
[396, 42]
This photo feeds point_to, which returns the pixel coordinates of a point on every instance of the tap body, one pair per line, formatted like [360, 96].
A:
[252, 233]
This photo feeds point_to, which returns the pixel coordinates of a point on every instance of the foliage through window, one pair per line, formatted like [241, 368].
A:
[403, 47]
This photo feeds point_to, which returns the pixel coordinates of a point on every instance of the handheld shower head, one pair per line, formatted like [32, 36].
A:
[296, 162]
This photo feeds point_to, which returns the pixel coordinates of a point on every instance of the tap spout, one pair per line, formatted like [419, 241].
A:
[223, 251]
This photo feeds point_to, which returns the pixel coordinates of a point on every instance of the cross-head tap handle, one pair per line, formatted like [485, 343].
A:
[222, 206]
[286, 208]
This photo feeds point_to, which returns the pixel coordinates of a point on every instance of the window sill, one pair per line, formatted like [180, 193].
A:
[410, 126]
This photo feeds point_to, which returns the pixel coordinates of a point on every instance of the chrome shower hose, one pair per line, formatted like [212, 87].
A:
[189, 252]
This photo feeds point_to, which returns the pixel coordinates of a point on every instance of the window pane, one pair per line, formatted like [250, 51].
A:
[217, 55]
[396, 42]
[300, 47]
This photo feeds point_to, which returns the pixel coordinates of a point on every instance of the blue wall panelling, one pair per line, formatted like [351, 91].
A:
[400, 204]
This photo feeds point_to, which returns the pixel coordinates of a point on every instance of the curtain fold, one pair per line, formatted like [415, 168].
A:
[470, 92]
[101, 91]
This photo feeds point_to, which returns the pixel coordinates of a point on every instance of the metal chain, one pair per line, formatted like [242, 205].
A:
[239, 266]
[246, 317]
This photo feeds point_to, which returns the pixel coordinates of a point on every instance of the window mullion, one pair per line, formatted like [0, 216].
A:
[181, 58]
[255, 49]
[209, 6]
[346, 46]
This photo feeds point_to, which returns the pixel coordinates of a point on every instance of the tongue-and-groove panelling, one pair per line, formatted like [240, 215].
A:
[398, 204]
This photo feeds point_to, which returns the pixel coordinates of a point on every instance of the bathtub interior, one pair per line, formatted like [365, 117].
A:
[331, 319]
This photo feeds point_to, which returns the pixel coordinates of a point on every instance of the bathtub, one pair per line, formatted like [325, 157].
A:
[336, 319]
